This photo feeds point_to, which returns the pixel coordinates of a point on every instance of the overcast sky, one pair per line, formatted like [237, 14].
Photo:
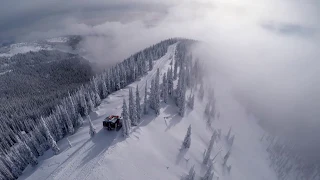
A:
[269, 49]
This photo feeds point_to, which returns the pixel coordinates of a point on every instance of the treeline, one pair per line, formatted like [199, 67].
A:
[287, 162]
[162, 88]
[21, 142]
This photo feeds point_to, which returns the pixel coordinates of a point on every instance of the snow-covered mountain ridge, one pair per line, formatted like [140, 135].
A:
[153, 148]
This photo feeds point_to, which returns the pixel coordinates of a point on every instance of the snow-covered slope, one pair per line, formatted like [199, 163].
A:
[152, 150]
[22, 48]
[58, 43]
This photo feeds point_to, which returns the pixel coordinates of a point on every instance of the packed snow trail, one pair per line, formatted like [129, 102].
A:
[78, 163]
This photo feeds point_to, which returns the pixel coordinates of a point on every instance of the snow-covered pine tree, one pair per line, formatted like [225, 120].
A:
[89, 103]
[79, 120]
[14, 169]
[150, 63]
[170, 81]
[104, 89]
[187, 139]
[97, 99]
[27, 154]
[152, 92]
[138, 105]
[229, 133]
[201, 92]
[40, 149]
[175, 71]
[157, 93]
[51, 142]
[72, 108]
[17, 157]
[58, 127]
[181, 92]
[133, 70]
[191, 101]
[126, 124]
[92, 130]
[123, 75]
[145, 104]
[206, 157]
[165, 88]
[231, 140]
[83, 103]
[209, 174]
[212, 112]
[191, 175]
[95, 84]
[226, 157]
[207, 109]
[67, 119]
[41, 139]
[132, 109]
[6, 172]
[117, 78]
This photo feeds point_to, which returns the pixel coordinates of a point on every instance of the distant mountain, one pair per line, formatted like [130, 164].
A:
[65, 44]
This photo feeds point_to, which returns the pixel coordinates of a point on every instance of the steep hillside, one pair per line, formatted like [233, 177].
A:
[37, 81]
[154, 148]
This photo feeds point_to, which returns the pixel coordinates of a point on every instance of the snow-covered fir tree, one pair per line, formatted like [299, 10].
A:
[84, 110]
[209, 174]
[27, 153]
[58, 126]
[191, 175]
[175, 71]
[152, 94]
[226, 157]
[207, 153]
[39, 148]
[138, 105]
[201, 92]
[126, 123]
[145, 102]
[72, 108]
[97, 99]
[207, 109]
[104, 89]
[187, 139]
[15, 170]
[92, 130]
[231, 140]
[181, 92]
[150, 64]
[67, 119]
[89, 102]
[229, 133]
[157, 93]
[170, 81]
[79, 120]
[165, 88]
[5, 172]
[191, 101]
[132, 109]
[51, 142]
